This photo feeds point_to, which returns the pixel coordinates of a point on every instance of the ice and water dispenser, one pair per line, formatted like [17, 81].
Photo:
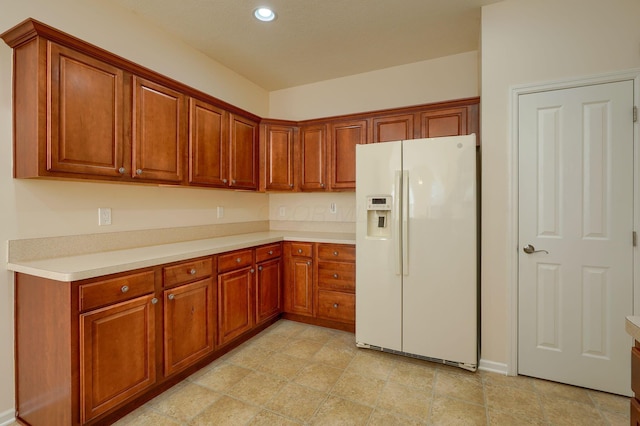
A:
[378, 216]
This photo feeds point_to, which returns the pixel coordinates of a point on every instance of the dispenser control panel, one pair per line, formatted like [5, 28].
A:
[379, 202]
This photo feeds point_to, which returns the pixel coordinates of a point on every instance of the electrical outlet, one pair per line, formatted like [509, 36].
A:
[333, 208]
[282, 211]
[104, 216]
[220, 212]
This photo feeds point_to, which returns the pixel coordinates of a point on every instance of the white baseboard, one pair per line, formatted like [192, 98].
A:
[7, 417]
[494, 367]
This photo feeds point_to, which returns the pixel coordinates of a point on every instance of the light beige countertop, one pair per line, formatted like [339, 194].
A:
[632, 326]
[79, 267]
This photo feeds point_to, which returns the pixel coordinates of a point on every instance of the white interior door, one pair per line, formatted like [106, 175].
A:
[576, 210]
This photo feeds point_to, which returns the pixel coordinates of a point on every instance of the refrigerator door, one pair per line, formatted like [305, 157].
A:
[378, 260]
[439, 288]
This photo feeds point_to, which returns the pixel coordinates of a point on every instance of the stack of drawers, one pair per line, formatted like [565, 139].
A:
[335, 289]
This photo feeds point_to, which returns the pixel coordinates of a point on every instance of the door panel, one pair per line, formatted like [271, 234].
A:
[576, 207]
[208, 142]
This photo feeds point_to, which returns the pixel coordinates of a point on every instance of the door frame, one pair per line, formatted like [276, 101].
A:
[513, 191]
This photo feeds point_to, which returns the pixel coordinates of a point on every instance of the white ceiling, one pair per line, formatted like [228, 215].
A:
[315, 40]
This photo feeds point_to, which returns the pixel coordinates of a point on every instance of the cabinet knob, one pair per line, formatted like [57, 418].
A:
[233, 181]
[252, 270]
[171, 296]
[224, 181]
[270, 252]
[124, 288]
[335, 305]
[138, 171]
[121, 170]
[335, 253]
[238, 260]
[290, 185]
[154, 300]
[335, 275]
[259, 268]
[322, 185]
[192, 271]
[299, 250]
[309, 262]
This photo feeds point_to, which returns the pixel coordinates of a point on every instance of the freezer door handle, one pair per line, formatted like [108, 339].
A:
[405, 222]
[397, 224]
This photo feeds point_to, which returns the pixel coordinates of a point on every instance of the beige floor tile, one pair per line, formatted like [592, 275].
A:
[145, 417]
[461, 386]
[370, 363]
[222, 377]
[448, 411]
[562, 412]
[609, 402]
[406, 401]
[335, 356]
[364, 390]
[249, 356]
[318, 334]
[318, 376]
[270, 341]
[413, 375]
[553, 390]
[297, 402]
[287, 328]
[616, 419]
[302, 348]
[281, 365]
[343, 339]
[385, 418]
[184, 401]
[226, 411]
[521, 382]
[257, 388]
[519, 403]
[267, 418]
[338, 411]
[508, 418]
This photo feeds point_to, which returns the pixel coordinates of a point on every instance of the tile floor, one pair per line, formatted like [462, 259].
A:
[293, 374]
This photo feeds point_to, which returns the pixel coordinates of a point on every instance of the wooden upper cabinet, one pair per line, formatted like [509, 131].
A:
[208, 144]
[86, 110]
[278, 155]
[159, 128]
[344, 138]
[244, 153]
[393, 128]
[313, 157]
[444, 122]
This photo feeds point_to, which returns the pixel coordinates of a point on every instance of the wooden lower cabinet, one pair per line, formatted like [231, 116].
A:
[634, 406]
[298, 278]
[235, 303]
[268, 289]
[117, 354]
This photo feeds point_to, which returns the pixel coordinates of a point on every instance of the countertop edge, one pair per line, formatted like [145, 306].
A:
[632, 326]
[80, 267]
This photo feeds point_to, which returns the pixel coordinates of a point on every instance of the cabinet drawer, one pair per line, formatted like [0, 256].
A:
[234, 260]
[187, 271]
[635, 371]
[335, 305]
[302, 249]
[268, 252]
[116, 290]
[337, 276]
[342, 252]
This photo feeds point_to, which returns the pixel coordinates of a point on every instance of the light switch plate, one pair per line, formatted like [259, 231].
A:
[220, 212]
[104, 216]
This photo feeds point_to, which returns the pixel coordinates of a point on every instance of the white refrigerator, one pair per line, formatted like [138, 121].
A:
[416, 249]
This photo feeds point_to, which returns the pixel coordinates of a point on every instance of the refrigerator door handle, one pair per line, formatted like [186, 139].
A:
[397, 224]
[405, 222]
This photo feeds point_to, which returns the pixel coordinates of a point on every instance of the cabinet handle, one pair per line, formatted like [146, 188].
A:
[238, 260]
[224, 181]
[121, 170]
[270, 252]
[171, 296]
[154, 300]
[299, 250]
[259, 268]
[192, 271]
[124, 288]
[335, 275]
[335, 253]
[252, 270]
[335, 305]
[138, 171]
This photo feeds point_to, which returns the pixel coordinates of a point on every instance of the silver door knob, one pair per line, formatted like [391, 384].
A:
[138, 171]
[252, 270]
[224, 181]
[270, 252]
[154, 300]
[238, 260]
[529, 249]
[335, 253]
[335, 305]
[335, 275]
[322, 185]
[121, 170]
[193, 271]
[233, 181]
[124, 289]
[259, 268]
[299, 250]
[171, 296]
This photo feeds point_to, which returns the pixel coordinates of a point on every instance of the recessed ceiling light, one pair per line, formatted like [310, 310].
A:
[264, 14]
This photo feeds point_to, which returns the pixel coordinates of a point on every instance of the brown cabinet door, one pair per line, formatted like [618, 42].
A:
[86, 114]
[158, 132]
[117, 354]
[244, 153]
[235, 303]
[313, 162]
[208, 144]
[299, 286]
[344, 138]
[445, 122]
[393, 128]
[268, 290]
[279, 170]
[188, 324]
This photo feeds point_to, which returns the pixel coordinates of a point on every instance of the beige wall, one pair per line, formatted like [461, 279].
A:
[50, 208]
[451, 77]
[528, 42]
